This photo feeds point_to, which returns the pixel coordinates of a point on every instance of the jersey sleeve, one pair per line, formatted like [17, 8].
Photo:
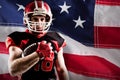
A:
[11, 40]
[63, 44]
[57, 40]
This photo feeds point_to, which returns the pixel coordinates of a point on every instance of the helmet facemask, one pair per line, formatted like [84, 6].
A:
[37, 26]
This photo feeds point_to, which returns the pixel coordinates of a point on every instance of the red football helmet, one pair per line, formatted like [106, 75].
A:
[37, 8]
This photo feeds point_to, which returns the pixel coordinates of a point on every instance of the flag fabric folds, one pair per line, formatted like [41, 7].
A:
[91, 29]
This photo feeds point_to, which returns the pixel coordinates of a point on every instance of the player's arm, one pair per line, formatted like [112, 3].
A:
[61, 67]
[18, 65]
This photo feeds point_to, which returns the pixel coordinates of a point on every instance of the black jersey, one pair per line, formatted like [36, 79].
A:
[24, 39]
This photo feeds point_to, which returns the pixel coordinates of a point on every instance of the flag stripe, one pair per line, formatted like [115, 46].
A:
[108, 2]
[3, 49]
[107, 16]
[96, 68]
[7, 77]
[103, 40]
[3, 63]
[107, 25]
[75, 76]
[80, 49]
[5, 30]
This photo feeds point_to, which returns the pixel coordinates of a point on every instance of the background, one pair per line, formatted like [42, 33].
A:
[91, 29]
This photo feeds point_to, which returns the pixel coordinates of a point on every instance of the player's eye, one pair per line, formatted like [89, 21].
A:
[35, 19]
[42, 19]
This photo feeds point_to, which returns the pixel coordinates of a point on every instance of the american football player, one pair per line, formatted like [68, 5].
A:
[37, 53]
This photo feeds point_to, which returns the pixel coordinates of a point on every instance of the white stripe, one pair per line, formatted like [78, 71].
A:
[74, 47]
[3, 63]
[106, 15]
[74, 76]
[5, 30]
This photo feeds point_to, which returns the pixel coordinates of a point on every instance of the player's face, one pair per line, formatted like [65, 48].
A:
[38, 23]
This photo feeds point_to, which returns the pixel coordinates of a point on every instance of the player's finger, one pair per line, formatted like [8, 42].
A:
[49, 44]
[38, 43]
[44, 42]
[51, 47]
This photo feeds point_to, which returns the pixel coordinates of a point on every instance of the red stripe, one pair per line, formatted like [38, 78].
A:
[107, 37]
[108, 2]
[3, 48]
[7, 77]
[92, 66]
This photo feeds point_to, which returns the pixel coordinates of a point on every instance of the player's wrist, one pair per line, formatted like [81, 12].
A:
[39, 54]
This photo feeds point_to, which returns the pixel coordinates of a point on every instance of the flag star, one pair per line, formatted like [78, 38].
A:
[21, 7]
[64, 8]
[0, 6]
[79, 22]
[52, 21]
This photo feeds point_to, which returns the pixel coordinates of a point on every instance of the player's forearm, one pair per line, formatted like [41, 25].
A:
[21, 65]
[63, 75]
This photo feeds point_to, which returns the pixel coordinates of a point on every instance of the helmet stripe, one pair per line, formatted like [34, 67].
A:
[36, 5]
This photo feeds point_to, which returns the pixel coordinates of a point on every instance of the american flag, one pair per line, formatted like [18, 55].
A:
[91, 29]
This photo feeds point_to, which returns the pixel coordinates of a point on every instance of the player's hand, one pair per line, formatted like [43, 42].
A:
[44, 49]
